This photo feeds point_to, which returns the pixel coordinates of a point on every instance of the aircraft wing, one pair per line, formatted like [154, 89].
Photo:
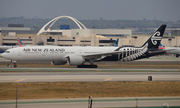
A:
[100, 55]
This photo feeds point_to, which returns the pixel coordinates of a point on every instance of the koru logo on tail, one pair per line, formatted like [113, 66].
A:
[156, 37]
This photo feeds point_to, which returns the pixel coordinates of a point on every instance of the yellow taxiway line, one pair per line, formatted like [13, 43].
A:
[19, 80]
[108, 79]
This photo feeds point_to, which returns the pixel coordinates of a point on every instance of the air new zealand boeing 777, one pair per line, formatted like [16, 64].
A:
[76, 55]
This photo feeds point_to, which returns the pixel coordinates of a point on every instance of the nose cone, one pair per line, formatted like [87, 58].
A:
[2, 55]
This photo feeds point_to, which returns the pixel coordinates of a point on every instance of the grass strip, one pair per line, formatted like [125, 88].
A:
[84, 89]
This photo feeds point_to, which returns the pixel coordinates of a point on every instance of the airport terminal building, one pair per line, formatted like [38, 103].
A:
[88, 39]
[66, 36]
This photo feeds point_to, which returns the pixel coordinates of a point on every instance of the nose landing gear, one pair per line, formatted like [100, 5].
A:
[14, 64]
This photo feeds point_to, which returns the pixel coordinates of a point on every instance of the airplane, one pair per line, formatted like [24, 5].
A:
[20, 44]
[116, 43]
[161, 46]
[3, 48]
[77, 55]
[170, 50]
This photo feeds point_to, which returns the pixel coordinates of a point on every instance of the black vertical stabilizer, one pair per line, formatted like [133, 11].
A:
[155, 39]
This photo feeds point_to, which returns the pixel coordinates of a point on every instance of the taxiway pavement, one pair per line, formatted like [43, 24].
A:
[43, 77]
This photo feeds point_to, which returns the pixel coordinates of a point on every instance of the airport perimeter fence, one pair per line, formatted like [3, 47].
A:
[90, 102]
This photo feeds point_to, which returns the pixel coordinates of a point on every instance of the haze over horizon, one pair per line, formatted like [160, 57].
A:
[165, 10]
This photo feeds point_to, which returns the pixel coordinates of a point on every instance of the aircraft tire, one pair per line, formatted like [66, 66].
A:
[15, 66]
[94, 66]
[87, 66]
[177, 55]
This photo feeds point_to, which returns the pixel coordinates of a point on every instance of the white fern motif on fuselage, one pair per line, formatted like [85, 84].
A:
[133, 53]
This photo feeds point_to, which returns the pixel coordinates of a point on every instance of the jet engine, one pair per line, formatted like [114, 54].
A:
[58, 62]
[75, 60]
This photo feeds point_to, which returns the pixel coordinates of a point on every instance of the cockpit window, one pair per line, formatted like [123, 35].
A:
[7, 51]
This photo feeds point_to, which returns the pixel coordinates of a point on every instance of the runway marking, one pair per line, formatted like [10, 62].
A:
[19, 80]
[108, 79]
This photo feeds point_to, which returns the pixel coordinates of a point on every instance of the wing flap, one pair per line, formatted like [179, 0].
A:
[100, 55]
[160, 51]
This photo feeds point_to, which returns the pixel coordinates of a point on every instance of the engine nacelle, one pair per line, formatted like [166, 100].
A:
[75, 60]
[58, 62]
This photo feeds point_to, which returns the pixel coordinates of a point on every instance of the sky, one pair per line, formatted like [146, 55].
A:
[165, 10]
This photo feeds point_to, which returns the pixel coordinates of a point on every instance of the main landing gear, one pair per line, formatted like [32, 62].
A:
[87, 66]
[15, 65]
